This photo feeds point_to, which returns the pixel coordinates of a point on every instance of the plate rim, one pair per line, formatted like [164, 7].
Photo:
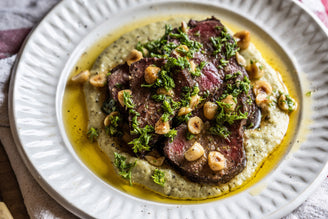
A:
[54, 194]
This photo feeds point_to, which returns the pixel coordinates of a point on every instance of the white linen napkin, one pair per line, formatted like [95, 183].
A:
[23, 14]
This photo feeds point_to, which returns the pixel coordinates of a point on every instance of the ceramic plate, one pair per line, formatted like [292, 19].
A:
[49, 54]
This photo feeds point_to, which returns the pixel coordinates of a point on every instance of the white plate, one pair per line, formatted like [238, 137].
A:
[41, 71]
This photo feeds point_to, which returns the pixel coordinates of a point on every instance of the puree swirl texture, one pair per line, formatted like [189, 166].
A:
[259, 139]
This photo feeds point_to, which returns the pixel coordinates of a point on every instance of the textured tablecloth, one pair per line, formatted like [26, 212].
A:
[17, 17]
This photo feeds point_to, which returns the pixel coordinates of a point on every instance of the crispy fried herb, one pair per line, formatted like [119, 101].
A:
[159, 177]
[92, 134]
[124, 167]
[109, 106]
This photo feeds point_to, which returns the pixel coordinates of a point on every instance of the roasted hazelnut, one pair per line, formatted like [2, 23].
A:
[243, 39]
[216, 161]
[81, 77]
[98, 80]
[195, 125]
[120, 96]
[151, 74]
[195, 152]
[162, 127]
[134, 56]
[210, 109]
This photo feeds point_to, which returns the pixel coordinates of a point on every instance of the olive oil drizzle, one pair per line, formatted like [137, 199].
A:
[75, 121]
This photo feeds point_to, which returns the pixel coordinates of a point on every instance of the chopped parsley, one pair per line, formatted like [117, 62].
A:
[124, 167]
[232, 76]
[228, 117]
[128, 102]
[189, 136]
[224, 44]
[260, 66]
[169, 106]
[289, 101]
[235, 89]
[220, 130]
[193, 46]
[181, 119]
[165, 79]
[142, 142]
[158, 48]
[159, 177]
[171, 134]
[308, 94]
[224, 118]
[92, 134]
[113, 128]
[188, 92]
[198, 70]
[223, 62]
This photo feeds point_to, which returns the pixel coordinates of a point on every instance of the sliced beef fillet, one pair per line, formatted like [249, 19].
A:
[213, 79]
[150, 110]
[118, 80]
[199, 170]
[213, 76]
[202, 31]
